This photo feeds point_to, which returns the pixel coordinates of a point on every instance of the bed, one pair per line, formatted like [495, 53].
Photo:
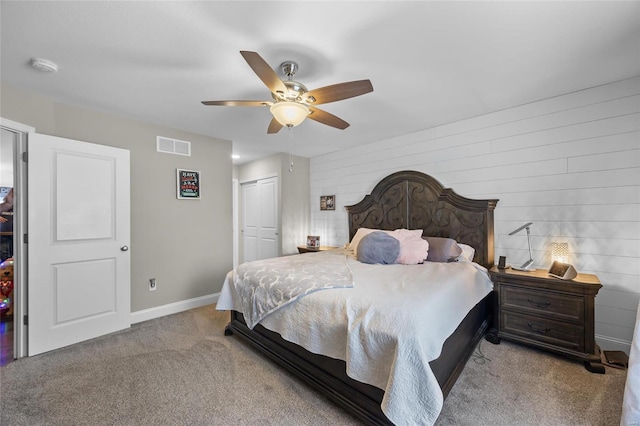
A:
[631, 400]
[402, 200]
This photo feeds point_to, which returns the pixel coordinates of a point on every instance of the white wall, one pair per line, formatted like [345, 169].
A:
[569, 164]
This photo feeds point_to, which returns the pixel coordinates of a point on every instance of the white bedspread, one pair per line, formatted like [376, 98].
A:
[387, 328]
[631, 401]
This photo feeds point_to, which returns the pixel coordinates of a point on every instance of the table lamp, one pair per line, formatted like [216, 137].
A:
[526, 266]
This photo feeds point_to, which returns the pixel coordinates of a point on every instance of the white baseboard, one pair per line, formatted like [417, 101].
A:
[173, 308]
[612, 344]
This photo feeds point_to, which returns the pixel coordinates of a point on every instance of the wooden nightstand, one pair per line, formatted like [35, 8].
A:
[548, 313]
[305, 249]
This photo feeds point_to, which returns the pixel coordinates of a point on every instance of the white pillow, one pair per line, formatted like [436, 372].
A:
[467, 253]
[360, 233]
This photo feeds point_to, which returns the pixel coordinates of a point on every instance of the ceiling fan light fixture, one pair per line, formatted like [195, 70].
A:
[289, 114]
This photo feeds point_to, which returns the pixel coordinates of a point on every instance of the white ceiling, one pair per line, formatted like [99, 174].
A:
[430, 63]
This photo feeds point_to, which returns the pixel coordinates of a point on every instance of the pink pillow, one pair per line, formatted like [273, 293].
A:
[413, 249]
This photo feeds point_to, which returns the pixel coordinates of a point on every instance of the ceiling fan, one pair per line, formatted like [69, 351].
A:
[292, 102]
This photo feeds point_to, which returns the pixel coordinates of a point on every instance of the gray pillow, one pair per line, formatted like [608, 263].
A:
[442, 249]
[378, 247]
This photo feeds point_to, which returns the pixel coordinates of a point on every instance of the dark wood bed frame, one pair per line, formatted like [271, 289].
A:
[410, 200]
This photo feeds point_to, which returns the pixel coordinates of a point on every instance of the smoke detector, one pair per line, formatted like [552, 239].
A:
[44, 65]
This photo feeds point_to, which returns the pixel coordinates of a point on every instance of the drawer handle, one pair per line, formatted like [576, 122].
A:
[539, 304]
[538, 330]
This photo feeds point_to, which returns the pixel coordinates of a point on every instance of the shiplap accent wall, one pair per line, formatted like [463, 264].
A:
[569, 164]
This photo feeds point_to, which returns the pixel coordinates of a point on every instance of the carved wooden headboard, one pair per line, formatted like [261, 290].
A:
[414, 200]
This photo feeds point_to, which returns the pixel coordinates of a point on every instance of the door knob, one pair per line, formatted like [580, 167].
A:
[124, 248]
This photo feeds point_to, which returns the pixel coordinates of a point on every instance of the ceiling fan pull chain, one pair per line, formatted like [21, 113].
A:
[290, 132]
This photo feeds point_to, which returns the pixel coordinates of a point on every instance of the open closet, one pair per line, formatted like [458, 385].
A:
[7, 276]
[13, 333]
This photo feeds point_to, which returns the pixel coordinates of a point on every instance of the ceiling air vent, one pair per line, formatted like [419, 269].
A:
[173, 146]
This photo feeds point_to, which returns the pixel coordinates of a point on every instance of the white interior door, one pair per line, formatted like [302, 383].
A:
[251, 217]
[234, 201]
[78, 233]
[260, 219]
[268, 232]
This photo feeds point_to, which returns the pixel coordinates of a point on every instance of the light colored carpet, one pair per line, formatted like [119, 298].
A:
[518, 385]
[182, 370]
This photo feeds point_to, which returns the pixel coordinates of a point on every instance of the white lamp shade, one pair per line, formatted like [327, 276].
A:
[289, 114]
[560, 252]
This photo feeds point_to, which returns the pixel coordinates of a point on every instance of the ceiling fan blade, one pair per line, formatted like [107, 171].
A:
[264, 72]
[274, 126]
[238, 103]
[326, 118]
[338, 92]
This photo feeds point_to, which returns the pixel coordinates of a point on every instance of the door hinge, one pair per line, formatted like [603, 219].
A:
[25, 156]
[25, 320]
[25, 238]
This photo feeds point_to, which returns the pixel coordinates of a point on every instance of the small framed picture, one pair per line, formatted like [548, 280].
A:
[327, 202]
[313, 241]
[188, 184]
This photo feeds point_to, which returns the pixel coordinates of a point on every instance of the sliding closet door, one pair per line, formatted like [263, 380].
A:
[78, 237]
[260, 219]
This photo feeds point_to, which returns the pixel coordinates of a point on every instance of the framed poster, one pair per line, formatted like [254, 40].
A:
[188, 184]
[327, 202]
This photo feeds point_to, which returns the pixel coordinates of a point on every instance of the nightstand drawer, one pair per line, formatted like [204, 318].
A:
[558, 306]
[557, 333]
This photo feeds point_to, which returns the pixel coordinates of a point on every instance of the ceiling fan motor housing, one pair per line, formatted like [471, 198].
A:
[294, 90]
